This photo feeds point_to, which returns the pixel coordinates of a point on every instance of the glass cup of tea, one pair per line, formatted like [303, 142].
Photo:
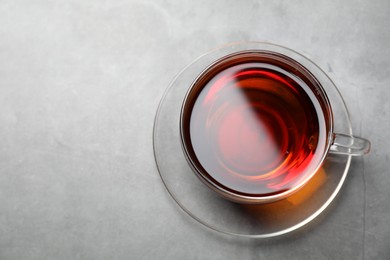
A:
[256, 124]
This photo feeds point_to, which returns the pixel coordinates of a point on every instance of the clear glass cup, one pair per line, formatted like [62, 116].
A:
[272, 57]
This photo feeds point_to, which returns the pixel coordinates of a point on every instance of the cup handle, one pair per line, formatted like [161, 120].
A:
[349, 145]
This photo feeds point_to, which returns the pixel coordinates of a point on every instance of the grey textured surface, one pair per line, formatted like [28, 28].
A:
[80, 82]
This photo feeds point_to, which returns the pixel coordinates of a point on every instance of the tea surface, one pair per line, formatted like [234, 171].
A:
[254, 128]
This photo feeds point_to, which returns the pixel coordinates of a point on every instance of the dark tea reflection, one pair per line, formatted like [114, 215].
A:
[255, 127]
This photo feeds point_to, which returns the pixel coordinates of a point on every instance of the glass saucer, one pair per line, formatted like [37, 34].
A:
[211, 210]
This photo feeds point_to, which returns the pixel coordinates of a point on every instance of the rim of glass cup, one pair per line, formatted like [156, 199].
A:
[269, 198]
[243, 46]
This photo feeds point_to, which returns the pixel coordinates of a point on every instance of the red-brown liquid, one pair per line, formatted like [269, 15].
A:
[253, 124]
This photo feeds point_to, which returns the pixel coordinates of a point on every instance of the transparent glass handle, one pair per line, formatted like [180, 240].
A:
[349, 145]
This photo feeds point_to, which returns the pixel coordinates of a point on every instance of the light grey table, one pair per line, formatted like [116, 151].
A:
[80, 82]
